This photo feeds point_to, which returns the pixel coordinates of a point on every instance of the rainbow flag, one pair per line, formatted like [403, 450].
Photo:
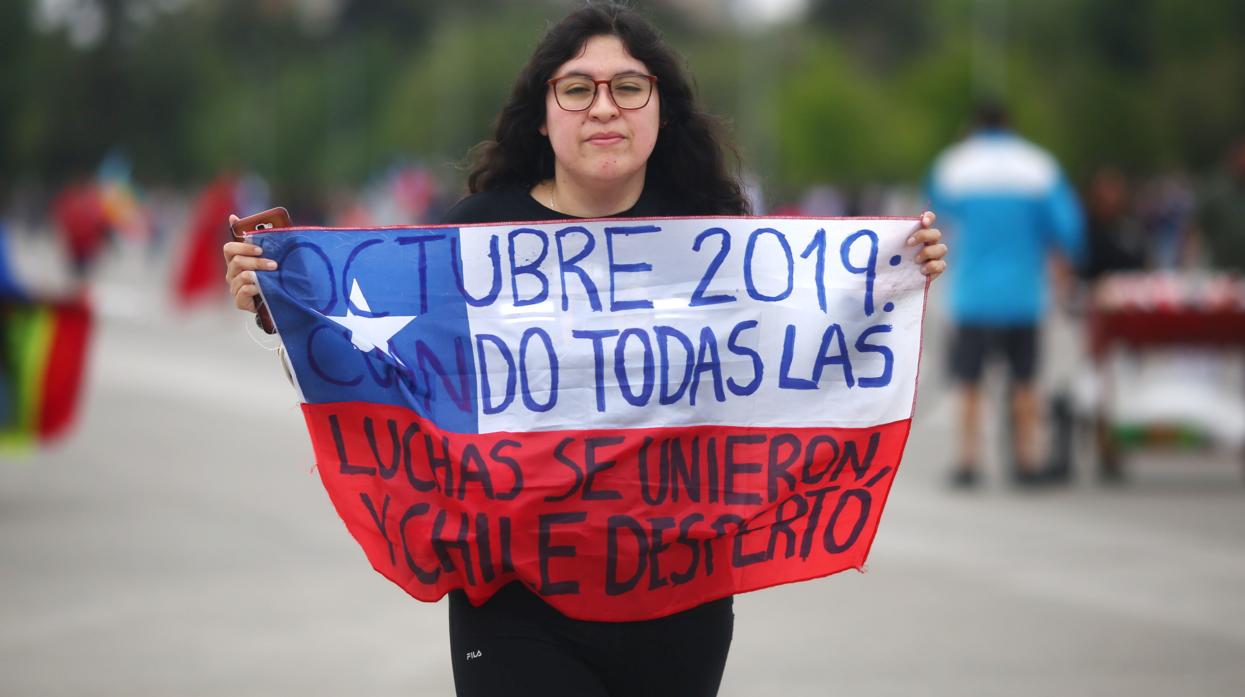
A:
[43, 350]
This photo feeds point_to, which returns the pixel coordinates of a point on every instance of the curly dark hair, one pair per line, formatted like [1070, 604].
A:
[689, 162]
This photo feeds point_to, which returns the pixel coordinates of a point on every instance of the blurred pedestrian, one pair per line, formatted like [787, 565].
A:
[10, 293]
[1006, 206]
[1167, 212]
[80, 216]
[602, 122]
[1115, 241]
[1221, 219]
[10, 287]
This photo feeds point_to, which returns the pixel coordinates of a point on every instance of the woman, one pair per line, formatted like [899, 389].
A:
[602, 122]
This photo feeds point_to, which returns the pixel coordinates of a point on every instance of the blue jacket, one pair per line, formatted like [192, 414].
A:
[1004, 205]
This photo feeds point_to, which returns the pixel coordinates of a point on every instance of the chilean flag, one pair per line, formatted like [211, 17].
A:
[631, 417]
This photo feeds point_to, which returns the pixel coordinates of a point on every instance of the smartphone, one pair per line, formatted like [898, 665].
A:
[265, 220]
[270, 219]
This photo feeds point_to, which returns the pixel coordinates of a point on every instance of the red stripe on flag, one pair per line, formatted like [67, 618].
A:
[611, 525]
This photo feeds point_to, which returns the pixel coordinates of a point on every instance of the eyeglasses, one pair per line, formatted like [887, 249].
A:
[578, 92]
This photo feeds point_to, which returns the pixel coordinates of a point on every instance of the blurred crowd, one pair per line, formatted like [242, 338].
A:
[1167, 241]
[1163, 221]
[105, 211]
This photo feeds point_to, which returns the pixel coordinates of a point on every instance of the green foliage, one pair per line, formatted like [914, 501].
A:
[859, 92]
[444, 97]
[838, 123]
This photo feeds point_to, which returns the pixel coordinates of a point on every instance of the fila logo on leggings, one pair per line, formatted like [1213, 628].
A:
[474, 654]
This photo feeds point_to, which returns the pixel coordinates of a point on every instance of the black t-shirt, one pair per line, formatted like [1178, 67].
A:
[516, 205]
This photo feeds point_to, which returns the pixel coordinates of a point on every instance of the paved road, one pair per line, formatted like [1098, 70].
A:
[152, 555]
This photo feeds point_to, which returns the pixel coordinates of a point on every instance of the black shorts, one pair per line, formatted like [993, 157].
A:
[972, 345]
[516, 645]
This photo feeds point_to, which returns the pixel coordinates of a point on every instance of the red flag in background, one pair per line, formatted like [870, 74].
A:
[202, 267]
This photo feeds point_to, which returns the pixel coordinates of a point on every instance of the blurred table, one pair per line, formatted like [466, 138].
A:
[1143, 328]
[1224, 328]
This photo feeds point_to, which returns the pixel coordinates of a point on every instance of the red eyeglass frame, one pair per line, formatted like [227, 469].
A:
[596, 90]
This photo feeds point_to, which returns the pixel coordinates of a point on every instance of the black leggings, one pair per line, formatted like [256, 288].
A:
[516, 645]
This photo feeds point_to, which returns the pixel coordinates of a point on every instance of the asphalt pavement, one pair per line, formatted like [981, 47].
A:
[179, 543]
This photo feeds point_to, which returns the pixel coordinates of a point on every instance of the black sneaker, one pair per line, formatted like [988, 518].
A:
[1110, 474]
[963, 477]
[1045, 477]
[1027, 479]
[1058, 473]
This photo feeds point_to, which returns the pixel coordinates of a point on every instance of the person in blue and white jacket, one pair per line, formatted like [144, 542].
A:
[1008, 207]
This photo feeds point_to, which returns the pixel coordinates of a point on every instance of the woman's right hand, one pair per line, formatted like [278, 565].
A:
[242, 260]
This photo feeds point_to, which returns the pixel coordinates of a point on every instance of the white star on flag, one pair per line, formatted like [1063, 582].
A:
[367, 333]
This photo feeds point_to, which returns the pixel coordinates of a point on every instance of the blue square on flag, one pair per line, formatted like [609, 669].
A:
[378, 318]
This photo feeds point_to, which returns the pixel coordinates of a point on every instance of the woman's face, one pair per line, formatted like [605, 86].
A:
[603, 143]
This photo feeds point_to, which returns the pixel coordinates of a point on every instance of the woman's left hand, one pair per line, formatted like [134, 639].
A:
[932, 252]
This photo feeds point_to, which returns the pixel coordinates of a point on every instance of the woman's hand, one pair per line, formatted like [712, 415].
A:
[930, 256]
[242, 260]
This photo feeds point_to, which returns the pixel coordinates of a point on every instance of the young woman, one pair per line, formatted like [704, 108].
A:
[602, 122]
